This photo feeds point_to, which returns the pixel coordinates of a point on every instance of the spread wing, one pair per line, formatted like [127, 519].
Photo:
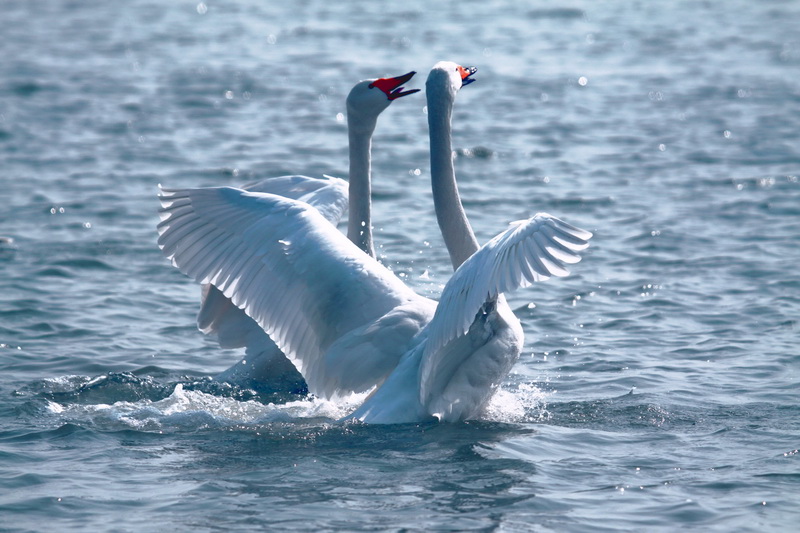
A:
[328, 194]
[529, 251]
[280, 261]
[218, 316]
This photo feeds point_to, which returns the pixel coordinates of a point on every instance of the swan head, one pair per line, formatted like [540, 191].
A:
[369, 98]
[449, 76]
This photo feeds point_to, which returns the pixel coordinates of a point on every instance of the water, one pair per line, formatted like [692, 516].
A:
[658, 389]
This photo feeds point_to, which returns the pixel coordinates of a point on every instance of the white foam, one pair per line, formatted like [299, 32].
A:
[189, 409]
[522, 403]
[54, 407]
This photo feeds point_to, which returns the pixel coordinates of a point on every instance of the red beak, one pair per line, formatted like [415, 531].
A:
[392, 87]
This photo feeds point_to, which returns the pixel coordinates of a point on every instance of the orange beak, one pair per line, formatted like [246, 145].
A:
[466, 72]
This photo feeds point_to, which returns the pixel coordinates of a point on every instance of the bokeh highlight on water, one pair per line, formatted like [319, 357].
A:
[659, 386]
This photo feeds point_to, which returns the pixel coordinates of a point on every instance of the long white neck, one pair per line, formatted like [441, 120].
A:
[359, 224]
[453, 223]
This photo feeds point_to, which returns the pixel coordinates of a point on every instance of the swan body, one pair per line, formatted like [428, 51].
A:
[406, 397]
[264, 366]
[344, 320]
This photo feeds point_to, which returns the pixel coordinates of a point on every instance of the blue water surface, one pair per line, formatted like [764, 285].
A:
[658, 389]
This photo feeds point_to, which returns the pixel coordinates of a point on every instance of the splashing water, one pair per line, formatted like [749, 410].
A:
[523, 403]
[188, 409]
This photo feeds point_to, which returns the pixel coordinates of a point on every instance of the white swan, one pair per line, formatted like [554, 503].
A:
[347, 322]
[474, 338]
[264, 366]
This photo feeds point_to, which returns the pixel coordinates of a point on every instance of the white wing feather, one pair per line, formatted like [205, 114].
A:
[328, 194]
[280, 261]
[217, 315]
[529, 251]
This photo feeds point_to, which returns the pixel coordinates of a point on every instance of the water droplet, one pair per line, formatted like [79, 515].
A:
[726, 134]
[272, 38]
[662, 147]
[339, 117]
[582, 81]
[202, 8]
[229, 95]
